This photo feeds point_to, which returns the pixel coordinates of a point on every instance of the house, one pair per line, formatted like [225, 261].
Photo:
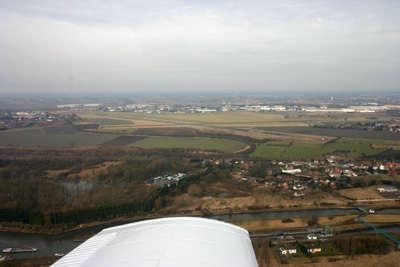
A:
[313, 249]
[237, 176]
[293, 171]
[288, 250]
[298, 194]
[386, 189]
[311, 236]
[298, 187]
[246, 166]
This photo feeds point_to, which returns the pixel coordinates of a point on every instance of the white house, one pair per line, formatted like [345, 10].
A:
[294, 171]
[313, 249]
[311, 236]
[386, 189]
[288, 250]
[299, 194]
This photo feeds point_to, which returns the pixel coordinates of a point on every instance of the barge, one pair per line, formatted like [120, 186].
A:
[19, 250]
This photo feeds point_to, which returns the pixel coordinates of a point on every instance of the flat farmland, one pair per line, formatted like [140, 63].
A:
[109, 121]
[221, 118]
[335, 132]
[128, 118]
[237, 123]
[61, 129]
[347, 147]
[168, 131]
[87, 126]
[52, 138]
[123, 140]
[297, 150]
[224, 145]
[361, 193]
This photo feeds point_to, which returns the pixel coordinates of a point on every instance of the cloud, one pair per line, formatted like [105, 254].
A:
[199, 45]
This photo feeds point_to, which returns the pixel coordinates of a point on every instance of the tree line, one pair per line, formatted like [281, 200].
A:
[31, 211]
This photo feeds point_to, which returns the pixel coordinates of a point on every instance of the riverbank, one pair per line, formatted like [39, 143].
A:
[281, 224]
[338, 223]
[365, 260]
[31, 262]
[33, 229]
[49, 245]
[251, 225]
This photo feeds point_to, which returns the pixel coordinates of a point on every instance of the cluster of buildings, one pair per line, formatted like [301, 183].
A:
[352, 109]
[289, 246]
[88, 107]
[10, 120]
[389, 192]
[225, 107]
[166, 180]
[390, 126]
[292, 250]
[296, 177]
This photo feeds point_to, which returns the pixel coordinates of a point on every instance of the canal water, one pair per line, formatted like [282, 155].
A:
[48, 245]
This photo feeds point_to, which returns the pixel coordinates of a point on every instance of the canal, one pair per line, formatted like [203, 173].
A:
[48, 245]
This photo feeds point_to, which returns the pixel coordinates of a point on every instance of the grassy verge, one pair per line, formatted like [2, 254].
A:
[344, 222]
[273, 224]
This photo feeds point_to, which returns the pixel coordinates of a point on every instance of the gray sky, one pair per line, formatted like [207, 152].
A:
[204, 45]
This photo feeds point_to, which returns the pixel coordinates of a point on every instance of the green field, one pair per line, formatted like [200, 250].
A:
[335, 132]
[105, 121]
[52, 138]
[224, 145]
[347, 147]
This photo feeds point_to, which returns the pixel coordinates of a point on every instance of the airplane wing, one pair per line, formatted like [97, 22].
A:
[167, 242]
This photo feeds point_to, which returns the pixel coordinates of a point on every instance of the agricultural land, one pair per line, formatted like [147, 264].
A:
[77, 166]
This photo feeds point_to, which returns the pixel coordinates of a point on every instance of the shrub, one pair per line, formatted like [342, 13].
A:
[195, 190]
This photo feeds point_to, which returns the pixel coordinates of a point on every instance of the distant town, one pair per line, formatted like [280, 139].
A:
[159, 108]
[23, 113]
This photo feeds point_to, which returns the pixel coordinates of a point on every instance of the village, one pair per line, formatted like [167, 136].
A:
[389, 126]
[297, 177]
[20, 119]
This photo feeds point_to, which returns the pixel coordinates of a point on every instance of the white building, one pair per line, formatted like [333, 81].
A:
[288, 250]
[311, 236]
[386, 189]
[313, 249]
[294, 171]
